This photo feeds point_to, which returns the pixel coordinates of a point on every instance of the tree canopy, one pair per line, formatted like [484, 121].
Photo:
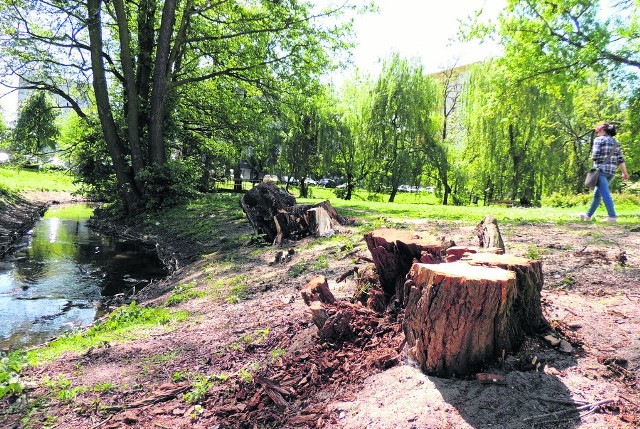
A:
[36, 129]
[135, 61]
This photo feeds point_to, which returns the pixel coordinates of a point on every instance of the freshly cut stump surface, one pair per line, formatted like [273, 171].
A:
[526, 308]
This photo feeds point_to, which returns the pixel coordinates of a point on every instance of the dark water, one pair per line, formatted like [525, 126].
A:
[57, 279]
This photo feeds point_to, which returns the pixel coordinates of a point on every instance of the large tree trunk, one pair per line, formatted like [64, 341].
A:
[116, 149]
[146, 42]
[132, 110]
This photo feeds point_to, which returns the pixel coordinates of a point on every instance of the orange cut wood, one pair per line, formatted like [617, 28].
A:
[453, 315]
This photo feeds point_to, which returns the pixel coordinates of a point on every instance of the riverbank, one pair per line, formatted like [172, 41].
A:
[240, 351]
[19, 214]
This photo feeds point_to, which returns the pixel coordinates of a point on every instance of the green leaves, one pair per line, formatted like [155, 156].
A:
[568, 38]
[36, 128]
[10, 368]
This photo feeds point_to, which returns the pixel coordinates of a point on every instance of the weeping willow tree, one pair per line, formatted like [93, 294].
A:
[402, 123]
[347, 149]
[582, 62]
[524, 142]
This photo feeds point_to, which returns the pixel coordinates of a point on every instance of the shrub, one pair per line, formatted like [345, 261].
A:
[170, 184]
[560, 200]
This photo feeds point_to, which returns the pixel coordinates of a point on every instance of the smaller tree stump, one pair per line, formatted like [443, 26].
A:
[394, 251]
[317, 289]
[489, 234]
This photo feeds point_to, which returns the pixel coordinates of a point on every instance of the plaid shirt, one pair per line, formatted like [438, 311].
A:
[607, 154]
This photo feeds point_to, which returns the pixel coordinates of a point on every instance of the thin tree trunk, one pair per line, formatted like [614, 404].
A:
[131, 92]
[157, 155]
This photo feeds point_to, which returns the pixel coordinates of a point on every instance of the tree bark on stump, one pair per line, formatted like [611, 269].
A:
[395, 251]
[317, 289]
[272, 211]
[526, 309]
[456, 315]
[489, 234]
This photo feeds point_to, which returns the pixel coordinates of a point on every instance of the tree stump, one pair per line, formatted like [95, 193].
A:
[456, 315]
[489, 234]
[395, 251]
[272, 211]
[317, 289]
[526, 309]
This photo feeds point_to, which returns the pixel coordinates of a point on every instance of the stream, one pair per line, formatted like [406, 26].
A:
[60, 274]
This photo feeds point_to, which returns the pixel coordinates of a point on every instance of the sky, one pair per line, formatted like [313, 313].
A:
[423, 29]
[413, 28]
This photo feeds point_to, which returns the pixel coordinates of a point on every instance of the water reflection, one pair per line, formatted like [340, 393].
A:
[57, 278]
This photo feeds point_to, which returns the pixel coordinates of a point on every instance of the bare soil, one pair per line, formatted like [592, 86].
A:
[282, 376]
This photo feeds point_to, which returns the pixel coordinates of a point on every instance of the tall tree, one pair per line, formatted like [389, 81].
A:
[300, 152]
[568, 37]
[36, 129]
[402, 122]
[138, 58]
[346, 141]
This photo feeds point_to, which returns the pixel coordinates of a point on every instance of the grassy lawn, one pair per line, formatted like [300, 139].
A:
[17, 180]
[425, 205]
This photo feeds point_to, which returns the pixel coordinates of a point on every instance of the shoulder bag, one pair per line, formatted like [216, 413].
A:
[591, 181]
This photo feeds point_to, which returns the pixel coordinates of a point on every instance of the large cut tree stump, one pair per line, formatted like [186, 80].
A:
[526, 309]
[456, 316]
[394, 252]
[272, 211]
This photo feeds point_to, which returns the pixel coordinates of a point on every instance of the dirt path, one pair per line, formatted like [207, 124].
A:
[258, 362]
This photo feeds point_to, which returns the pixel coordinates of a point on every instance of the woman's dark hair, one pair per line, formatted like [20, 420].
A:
[610, 129]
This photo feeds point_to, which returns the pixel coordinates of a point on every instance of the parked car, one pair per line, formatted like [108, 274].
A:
[310, 182]
[408, 188]
[328, 183]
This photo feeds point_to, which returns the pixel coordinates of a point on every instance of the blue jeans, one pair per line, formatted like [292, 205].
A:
[601, 193]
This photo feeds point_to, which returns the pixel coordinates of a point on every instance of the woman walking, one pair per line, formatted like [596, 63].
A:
[607, 157]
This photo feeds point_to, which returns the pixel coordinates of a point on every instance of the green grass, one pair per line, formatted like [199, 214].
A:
[374, 214]
[125, 323]
[203, 220]
[184, 292]
[16, 180]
